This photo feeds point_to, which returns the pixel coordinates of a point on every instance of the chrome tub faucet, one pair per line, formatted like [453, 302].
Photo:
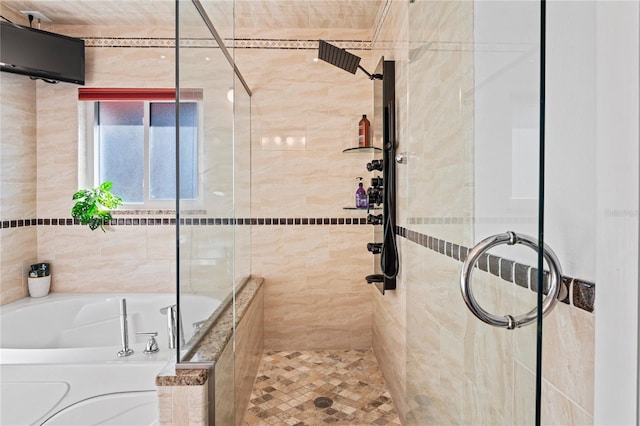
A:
[171, 312]
[124, 332]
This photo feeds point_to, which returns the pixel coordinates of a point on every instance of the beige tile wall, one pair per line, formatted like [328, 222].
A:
[224, 397]
[459, 370]
[18, 246]
[315, 293]
[249, 345]
[184, 405]
[83, 260]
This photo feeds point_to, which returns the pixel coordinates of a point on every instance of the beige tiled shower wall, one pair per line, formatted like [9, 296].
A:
[236, 369]
[304, 114]
[457, 369]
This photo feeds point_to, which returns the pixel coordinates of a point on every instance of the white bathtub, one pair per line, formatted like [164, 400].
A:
[59, 363]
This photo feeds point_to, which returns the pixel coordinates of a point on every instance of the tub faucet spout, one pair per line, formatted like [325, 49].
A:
[171, 312]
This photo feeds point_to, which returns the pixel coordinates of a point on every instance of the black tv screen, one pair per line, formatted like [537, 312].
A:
[42, 54]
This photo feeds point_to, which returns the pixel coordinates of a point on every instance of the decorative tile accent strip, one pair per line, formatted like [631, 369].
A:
[582, 292]
[129, 42]
[208, 221]
[19, 223]
[257, 43]
[469, 220]
[242, 43]
[172, 212]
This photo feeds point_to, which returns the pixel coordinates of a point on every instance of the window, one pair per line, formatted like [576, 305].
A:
[132, 144]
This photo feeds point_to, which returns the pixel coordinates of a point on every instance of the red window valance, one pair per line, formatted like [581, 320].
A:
[135, 94]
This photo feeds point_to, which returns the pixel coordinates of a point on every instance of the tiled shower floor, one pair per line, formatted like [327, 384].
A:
[288, 383]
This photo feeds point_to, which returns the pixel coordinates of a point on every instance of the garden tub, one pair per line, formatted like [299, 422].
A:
[59, 357]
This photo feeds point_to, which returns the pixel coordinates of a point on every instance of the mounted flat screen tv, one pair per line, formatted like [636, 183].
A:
[41, 54]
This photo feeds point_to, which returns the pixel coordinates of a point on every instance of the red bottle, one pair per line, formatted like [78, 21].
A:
[364, 132]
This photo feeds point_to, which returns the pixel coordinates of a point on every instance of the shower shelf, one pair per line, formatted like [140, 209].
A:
[362, 148]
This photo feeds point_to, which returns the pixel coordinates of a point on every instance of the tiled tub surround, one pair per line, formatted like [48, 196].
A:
[131, 237]
[195, 395]
[38, 183]
[579, 293]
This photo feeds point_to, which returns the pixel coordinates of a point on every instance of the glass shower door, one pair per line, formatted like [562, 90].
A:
[473, 173]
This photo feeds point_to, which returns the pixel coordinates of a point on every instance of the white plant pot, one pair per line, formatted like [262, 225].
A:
[39, 287]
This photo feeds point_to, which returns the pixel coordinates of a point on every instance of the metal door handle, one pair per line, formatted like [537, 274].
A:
[509, 321]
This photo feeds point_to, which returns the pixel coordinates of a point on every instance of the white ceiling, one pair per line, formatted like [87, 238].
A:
[254, 14]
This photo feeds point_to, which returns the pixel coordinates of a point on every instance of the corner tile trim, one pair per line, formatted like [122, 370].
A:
[580, 293]
[207, 221]
[170, 376]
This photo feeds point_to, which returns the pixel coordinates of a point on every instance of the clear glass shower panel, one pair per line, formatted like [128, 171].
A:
[242, 179]
[206, 227]
[473, 84]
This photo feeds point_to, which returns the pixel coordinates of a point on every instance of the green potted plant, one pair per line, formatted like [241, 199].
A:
[91, 204]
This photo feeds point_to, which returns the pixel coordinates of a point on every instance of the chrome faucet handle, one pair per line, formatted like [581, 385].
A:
[196, 325]
[152, 345]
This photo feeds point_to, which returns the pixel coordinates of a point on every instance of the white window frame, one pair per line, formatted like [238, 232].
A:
[91, 160]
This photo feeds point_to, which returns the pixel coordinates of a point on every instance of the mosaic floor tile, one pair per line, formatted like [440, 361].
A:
[288, 383]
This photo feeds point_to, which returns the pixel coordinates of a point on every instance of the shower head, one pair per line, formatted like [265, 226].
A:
[342, 59]
[338, 57]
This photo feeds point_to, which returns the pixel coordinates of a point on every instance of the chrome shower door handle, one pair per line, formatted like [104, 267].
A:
[509, 321]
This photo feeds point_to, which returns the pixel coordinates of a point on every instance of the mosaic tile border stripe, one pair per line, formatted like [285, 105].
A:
[580, 293]
[305, 44]
[266, 43]
[206, 221]
[241, 43]
[470, 220]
